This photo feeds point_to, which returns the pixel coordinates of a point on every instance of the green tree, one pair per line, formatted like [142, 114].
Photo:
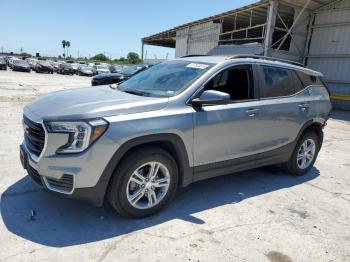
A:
[100, 57]
[133, 58]
[64, 43]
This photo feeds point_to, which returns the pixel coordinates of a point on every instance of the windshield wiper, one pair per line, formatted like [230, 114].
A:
[136, 92]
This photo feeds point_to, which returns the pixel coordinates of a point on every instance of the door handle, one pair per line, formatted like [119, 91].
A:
[304, 107]
[252, 112]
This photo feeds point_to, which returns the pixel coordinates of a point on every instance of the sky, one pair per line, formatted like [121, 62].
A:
[98, 26]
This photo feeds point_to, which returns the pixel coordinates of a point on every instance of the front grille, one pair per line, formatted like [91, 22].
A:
[34, 175]
[34, 135]
[64, 184]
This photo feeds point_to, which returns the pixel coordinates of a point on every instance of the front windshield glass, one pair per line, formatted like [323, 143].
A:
[20, 62]
[45, 63]
[85, 68]
[101, 67]
[166, 79]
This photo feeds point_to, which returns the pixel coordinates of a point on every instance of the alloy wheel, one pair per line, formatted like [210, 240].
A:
[148, 185]
[306, 153]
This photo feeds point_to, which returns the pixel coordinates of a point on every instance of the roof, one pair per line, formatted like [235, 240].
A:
[253, 60]
[168, 38]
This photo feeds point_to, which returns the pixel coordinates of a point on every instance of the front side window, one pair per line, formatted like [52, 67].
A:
[276, 82]
[166, 79]
[235, 81]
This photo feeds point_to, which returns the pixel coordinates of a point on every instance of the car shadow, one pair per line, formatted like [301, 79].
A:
[50, 220]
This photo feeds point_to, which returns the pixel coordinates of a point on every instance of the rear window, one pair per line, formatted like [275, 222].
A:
[309, 79]
[276, 82]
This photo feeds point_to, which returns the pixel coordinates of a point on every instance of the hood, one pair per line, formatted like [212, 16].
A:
[21, 65]
[90, 102]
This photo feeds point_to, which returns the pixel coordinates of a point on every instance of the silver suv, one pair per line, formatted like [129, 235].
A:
[176, 123]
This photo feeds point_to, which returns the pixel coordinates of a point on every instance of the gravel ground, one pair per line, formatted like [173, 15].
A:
[258, 215]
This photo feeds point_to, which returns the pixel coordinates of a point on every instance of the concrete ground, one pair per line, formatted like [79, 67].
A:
[258, 215]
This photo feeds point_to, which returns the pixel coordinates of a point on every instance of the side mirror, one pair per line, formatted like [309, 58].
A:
[212, 97]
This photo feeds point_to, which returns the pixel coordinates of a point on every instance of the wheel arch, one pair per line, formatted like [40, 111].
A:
[315, 126]
[172, 143]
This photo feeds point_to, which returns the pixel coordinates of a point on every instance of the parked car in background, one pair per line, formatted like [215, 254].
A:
[75, 67]
[176, 123]
[43, 66]
[11, 60]
[84, 70]
[113, 78]
[55, 66]
[65, 69]
[3, 63]
[21, 65]
[32, 62]
[101, 69]
[116, 68]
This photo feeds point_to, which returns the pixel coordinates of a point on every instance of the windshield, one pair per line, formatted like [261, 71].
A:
[166, 79]
[130, 70]
[45, 63]
[101, 67]
[20, 62]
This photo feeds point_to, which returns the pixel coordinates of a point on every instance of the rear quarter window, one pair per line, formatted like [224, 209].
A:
[307, 79]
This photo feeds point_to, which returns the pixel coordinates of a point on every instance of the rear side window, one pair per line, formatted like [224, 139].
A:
[276, 81]
[309, 79]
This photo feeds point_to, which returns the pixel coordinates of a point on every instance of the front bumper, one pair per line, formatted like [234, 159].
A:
[83, 170]
[93, 195]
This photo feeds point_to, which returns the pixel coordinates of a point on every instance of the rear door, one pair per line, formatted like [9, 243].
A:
[284, 105]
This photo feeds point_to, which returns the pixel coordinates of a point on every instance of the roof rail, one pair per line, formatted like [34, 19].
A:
[192, 56]
[267, 58]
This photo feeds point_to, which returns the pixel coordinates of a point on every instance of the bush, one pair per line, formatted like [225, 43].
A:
[100, 57]
[133, 58]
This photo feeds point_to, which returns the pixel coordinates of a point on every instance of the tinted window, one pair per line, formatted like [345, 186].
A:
[309, 79]
[276, 81]
[235, 81]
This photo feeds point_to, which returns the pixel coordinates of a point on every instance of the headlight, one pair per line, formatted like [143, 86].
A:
[81, 134]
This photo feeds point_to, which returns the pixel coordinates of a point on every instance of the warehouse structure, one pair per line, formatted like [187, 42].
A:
[314, 32]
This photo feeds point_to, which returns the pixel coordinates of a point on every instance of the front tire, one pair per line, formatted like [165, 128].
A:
[304, 154]
[144, 183]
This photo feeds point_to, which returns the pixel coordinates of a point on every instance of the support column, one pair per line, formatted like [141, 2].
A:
[271, 20]
[142, 49]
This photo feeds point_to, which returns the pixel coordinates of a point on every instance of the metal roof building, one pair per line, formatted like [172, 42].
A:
[314, 32]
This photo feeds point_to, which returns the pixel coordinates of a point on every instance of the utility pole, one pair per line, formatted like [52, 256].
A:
[167, 55]
[21, 49]
[2, 50]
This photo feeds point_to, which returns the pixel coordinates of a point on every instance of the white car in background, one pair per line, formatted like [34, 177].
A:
[102, 69]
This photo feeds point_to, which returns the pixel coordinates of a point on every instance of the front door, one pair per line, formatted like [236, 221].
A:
[225, 132]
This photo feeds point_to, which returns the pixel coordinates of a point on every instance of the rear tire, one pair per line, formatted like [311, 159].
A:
[304, 154]
[136, 191]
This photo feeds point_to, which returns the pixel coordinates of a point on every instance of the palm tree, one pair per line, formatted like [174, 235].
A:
[64, 44]
[68, 46]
